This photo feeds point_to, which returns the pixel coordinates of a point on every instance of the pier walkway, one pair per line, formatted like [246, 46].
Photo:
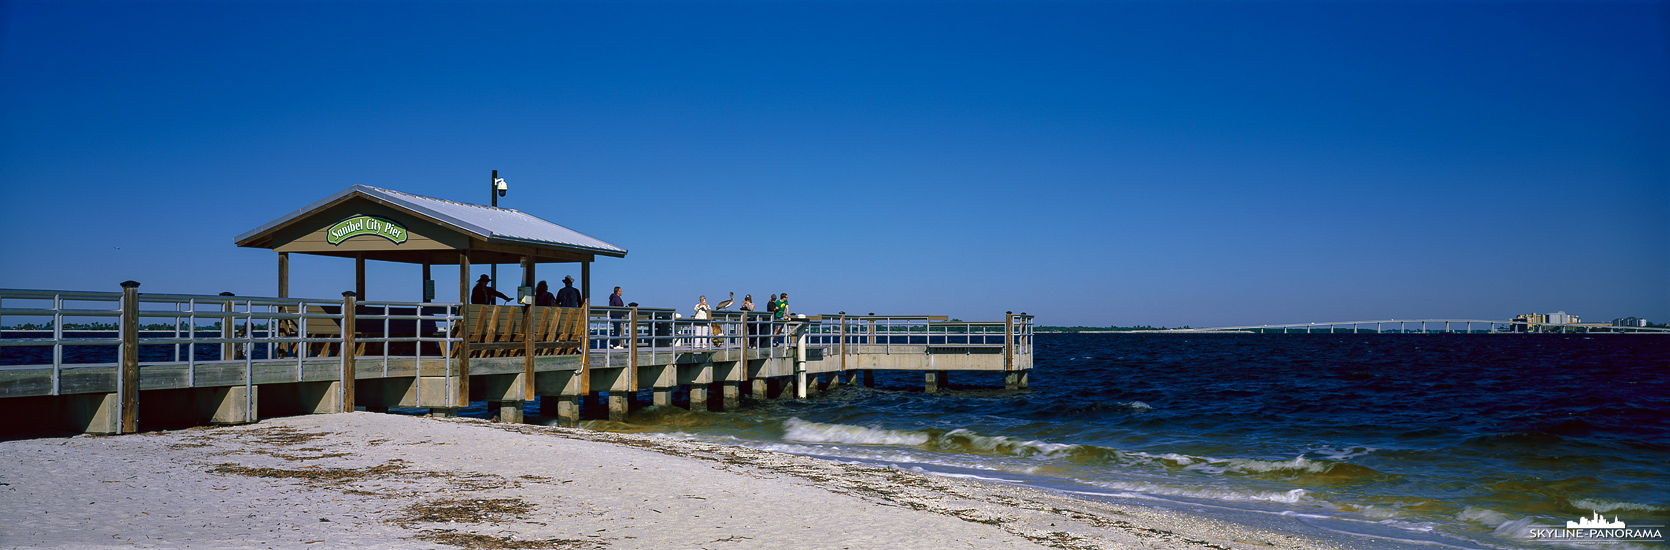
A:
[114, 362]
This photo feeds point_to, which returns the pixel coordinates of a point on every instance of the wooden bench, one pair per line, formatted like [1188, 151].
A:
[501, 331]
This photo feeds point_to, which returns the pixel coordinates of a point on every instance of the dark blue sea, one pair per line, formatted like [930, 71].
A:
[1459, 440]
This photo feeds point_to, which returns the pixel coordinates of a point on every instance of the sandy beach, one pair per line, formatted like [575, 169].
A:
[365, 480]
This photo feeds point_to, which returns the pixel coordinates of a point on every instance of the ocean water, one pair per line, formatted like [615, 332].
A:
[1461, 441]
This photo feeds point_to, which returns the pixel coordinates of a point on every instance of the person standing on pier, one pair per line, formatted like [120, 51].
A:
[483, 294]
[747, 307]
[702, 314]
[568, 296]
[615, 300]
[542, 295]
[780, 313]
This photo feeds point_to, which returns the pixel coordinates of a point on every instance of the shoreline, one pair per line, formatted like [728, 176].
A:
[372, 480]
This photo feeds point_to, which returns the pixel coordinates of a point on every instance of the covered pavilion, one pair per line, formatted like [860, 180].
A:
[370, 223]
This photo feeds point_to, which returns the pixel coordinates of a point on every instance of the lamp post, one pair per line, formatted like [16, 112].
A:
[497, 189]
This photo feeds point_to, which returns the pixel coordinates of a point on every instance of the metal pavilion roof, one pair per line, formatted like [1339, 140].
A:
[487, 223]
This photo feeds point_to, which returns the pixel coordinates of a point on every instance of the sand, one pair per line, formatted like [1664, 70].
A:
[365, 480]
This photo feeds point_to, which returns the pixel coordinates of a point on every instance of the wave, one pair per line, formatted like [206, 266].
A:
[1300, 467]
[1603, 505]
[795, 429]
[1285, 497]
[966, 441]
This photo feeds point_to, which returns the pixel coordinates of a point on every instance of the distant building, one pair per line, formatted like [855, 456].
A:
[1629, 322]
[1523, 323]
[1536, 322]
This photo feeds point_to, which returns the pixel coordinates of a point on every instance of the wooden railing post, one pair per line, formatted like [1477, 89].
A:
[585, 348]
[462, 398]
[529, 334]
[127, 382]
[226, 353]
[349, 352]
[632, 350]
[1008, 340]
[843, 341]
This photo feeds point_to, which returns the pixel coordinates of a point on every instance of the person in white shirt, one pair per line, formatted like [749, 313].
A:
[702, 314]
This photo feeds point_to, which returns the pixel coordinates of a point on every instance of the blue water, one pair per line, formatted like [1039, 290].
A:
[1461, 440]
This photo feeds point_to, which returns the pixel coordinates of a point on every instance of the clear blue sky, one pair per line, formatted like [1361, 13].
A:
[1166, 163]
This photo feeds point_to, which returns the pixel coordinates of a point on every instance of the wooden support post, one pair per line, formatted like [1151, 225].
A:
[427, 290]
[359, 274]
[843, 344]
[127, 385]
[585, 347]
[283, 274]
[529, 334]
[462, 398]
[350, 352]
[226, 351]
[1008, 340]
[585, 280]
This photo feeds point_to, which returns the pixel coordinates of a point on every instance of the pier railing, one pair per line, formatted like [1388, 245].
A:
[888, 331]
[80, 330]
[616, 330]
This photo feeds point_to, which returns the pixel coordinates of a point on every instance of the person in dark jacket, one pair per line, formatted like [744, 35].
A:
[483, 294]
[568, 296]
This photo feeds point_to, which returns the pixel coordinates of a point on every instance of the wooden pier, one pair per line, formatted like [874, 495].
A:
[283, 356]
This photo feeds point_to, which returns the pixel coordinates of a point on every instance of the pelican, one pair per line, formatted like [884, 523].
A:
[727, 302]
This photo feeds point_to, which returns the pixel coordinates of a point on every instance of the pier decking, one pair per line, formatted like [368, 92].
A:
[231, 359]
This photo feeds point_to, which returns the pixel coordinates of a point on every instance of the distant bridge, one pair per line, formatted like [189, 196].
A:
[1427, 326]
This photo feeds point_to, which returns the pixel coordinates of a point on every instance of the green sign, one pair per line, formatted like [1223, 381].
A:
[366, 225]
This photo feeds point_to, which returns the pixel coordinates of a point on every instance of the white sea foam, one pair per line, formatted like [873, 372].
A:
[1285, 497]
[1250, 465]
[1422, 526]
[1173, 459]
[1002, 445]
[1604, 505]
[795, 429]
[1483, 516]
[919, 469]
[1337, 454]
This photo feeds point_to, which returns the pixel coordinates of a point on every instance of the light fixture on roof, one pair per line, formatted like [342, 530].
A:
[496, 188]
